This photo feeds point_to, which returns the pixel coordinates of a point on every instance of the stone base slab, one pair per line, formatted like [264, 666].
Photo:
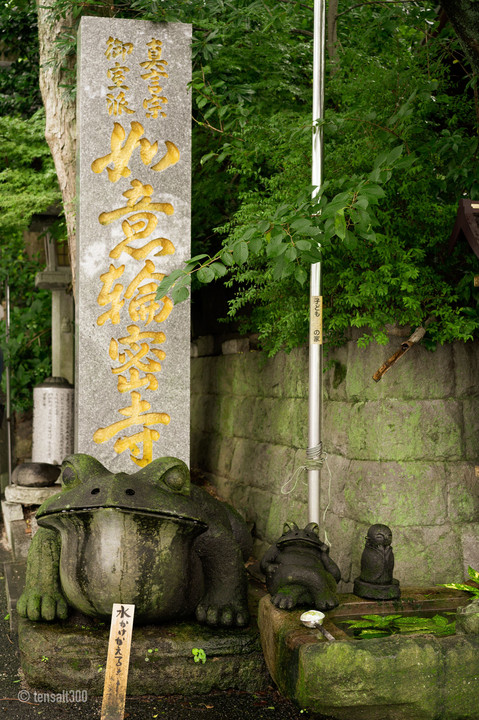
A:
[73, 654]
[30, 495]
[401, 677]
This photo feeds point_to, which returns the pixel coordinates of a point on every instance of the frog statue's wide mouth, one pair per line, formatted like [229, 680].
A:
[159, 491]
[160, 514]
[121, 496]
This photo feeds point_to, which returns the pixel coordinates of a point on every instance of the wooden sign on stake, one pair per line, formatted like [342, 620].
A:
[118, 660]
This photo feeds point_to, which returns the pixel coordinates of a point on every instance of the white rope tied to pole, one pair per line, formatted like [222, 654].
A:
[315, 459]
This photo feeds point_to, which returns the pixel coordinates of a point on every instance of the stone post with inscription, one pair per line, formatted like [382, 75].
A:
[133, 222]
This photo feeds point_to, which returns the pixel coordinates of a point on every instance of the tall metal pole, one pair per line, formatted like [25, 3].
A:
[314, 451]
[7, 378]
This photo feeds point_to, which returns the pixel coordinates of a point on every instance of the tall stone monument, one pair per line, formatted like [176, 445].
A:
[133, 225]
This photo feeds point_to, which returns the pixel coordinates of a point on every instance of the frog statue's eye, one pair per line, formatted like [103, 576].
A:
[69, 476]
[174, 478]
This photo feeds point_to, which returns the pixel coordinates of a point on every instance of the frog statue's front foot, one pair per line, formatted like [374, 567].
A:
[230, 615]
[150, 539]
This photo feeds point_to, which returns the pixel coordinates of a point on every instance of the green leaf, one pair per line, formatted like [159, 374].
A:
[302, 225]
[303, 244]
[373, 192]
[167, 282]
[205, 274]
[192, 261]
[255, 244]
[291, 253]
[340, 224]
[240, 252]
[179, 294]
[473, 574]
[227, 258]
[395, 154]
[248, 234]
[300, 275]
[218, 269]
[274, 251]
[459, 586]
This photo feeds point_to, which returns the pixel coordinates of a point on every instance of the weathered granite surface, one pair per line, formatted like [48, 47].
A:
[134, 126]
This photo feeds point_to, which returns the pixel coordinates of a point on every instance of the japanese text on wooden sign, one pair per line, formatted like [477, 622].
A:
[118, 660]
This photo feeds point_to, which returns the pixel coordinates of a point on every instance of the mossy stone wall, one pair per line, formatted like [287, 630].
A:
[403, 451]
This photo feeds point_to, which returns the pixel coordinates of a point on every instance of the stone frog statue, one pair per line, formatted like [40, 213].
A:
[151, 539]
[299, 571]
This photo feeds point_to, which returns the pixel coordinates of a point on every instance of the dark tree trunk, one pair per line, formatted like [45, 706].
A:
[464, 17]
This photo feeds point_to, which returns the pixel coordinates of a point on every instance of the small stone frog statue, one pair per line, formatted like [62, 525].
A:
[299, 570]
[377, 564]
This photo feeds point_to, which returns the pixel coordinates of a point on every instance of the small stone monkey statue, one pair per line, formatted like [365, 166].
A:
[377, 564]
[299, 570]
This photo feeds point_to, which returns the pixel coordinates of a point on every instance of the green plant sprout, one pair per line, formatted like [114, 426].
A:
[474, 575]
[199, 655]
[374, 626]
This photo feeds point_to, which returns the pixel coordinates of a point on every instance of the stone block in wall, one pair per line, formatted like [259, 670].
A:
[347, 542]
[208, 407]
[212, 453]
[334, 379]
[227, 372]
[407, 493]
[296, 373]
[235, 345]
[204, 376]
[281, 421]
[471, 427]
[466, 366]
[334, 476]
[205, 450]
[393, 429]
[336, 426]
[463, 493]
[470, 546]
[427, 555]
[285, 508]
[262, 465]
[259, 376]
[228, 422]
[226, 454]
[419, 374]
[202, 346]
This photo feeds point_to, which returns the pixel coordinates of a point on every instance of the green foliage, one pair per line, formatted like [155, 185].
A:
[474, 575]
[374, 626]
[401, 145]
[19, 89]
[400, 150]
[199, 655]
[28, 182]
[28, 185]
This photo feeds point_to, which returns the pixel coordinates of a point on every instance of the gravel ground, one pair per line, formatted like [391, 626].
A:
[20, 702]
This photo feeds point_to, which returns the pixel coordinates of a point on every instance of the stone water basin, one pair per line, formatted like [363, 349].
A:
[399, 677]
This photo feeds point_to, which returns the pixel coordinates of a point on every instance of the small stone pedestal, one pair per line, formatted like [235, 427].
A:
[16, 498]
[373, 591]
[73, 655]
